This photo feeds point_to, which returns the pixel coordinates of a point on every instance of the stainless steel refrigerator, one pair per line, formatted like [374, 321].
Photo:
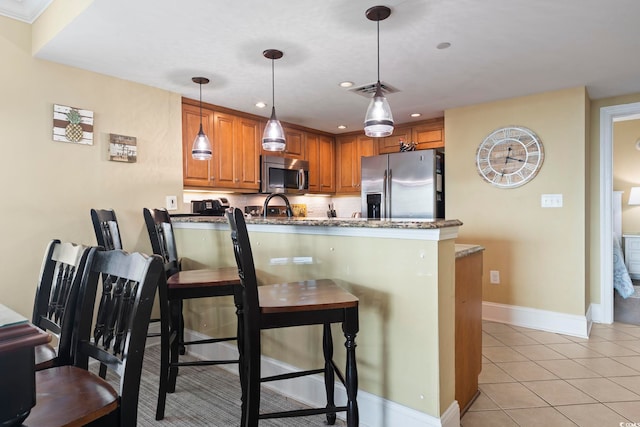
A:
[409, 184]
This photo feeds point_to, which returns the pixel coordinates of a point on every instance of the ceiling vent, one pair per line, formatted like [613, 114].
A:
[369, 89]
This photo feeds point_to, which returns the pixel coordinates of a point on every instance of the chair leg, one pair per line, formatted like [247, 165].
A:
[164, 365]
[241, 354]
[175, 308]
[350, 329]
[182, 348]
[329, 375]
[252, 357]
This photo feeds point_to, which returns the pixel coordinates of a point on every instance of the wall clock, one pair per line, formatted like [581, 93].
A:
[510, 157]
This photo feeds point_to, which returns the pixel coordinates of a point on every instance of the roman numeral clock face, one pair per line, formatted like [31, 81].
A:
[510, 157]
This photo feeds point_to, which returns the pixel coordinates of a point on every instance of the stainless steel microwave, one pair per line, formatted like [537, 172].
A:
[284, 175]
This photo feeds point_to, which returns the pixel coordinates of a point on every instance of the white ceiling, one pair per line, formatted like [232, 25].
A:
[499, 49]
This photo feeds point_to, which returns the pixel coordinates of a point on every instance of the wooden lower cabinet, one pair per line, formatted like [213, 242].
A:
[321, 155]
[468, 328]
[350, 149]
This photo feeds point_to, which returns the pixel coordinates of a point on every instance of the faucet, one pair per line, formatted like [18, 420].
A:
[283, 197]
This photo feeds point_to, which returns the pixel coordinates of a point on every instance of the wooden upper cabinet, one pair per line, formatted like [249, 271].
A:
[295, 143]
[234, 139]
[429, 134]
[350, 149]
[196, 173]
[236, 152]
[322, 163]
[391, 144]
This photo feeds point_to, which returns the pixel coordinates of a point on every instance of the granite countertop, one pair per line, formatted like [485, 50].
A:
[463, 250]
[332, 222]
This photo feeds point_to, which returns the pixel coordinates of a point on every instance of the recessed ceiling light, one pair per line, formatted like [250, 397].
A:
[443, 45]
[346, 84]
[342, 127]
[260, 104]
[415, 114]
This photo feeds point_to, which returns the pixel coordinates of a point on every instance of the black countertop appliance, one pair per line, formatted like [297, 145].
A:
[210, 207]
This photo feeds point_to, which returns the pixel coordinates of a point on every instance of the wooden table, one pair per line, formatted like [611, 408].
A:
[18, 337]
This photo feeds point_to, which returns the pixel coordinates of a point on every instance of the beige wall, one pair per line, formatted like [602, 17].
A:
[540, 253]
[48, 187]
[626, 170]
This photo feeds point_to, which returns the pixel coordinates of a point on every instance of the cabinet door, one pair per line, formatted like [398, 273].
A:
[347, 149]
[295, 140]
[366, 147]
[247, 154]
[327, 164]
[195, 173]
[429, 135]
[223, 150]
[321, 157]
[391, 144]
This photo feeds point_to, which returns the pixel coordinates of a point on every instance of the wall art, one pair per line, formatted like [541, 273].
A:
[123, 148]
[72, 124]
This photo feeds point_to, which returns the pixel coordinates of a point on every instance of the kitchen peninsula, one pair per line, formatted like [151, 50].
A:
[403, 272]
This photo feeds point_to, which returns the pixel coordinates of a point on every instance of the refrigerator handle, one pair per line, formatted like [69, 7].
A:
[389, 194]
[384, 196]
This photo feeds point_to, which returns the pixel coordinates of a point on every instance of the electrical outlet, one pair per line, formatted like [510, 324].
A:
[172, 203]
[494, 277]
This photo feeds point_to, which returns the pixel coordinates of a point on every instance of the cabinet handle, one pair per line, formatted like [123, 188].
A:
[213, 178]
[237, 179]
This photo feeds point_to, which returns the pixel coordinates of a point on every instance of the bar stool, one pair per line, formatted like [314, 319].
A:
[183, 285]
[309, 302]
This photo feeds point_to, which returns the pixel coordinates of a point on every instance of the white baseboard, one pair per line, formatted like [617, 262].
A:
[550, 321]
[374, 410]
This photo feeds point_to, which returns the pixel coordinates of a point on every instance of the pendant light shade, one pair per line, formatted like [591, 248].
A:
[378, 121]
[273, 136]
[201, 149]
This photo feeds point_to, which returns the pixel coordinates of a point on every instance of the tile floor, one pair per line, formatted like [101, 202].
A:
[533, 378]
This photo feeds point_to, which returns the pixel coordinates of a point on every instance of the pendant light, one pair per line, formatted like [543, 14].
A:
[273, 136]
[379, 121]
[201, 149]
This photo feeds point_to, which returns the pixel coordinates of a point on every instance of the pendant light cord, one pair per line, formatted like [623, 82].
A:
[273, 84]
[378, 26]
[200, 107]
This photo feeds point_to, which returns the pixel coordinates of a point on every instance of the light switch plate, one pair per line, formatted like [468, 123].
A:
[172, 203]
[551, 201]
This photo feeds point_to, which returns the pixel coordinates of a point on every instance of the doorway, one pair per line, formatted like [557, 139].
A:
[608, 115]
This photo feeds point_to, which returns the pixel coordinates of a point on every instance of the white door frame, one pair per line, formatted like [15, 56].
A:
[608, 115]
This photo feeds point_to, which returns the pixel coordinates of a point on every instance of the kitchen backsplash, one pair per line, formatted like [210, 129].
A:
[316, 206]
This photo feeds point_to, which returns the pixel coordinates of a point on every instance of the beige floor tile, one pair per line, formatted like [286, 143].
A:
[629, 410]
[512, 396]
[514, 338]
[539, 417]
[609, 349]
[611, 334]
[558, 392]
[547, 337]
[574, 350]
[490, 341]
[604, 390]
[592, 338]
[502, 354]
[607, 367]
[631, 383]
[498, 328]
[483, 403]
[485, 360]
[486, 419]
[538, 352]
[491, 373]
[629, 329]
[631, 361]
[526, 371]
[567, 369]
[633, 345]
[592, 415]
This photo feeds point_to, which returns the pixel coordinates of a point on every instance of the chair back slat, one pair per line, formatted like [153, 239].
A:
[163, 242]
[244, 260]
[128, 283]
[56, 296]
[106, 228]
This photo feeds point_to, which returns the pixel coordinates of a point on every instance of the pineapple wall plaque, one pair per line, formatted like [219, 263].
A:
[72, 125]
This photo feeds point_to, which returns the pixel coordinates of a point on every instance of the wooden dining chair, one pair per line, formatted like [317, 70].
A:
[309, 302]
[105, 225]
[71, 395]
[55, 301]
[182, 285]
